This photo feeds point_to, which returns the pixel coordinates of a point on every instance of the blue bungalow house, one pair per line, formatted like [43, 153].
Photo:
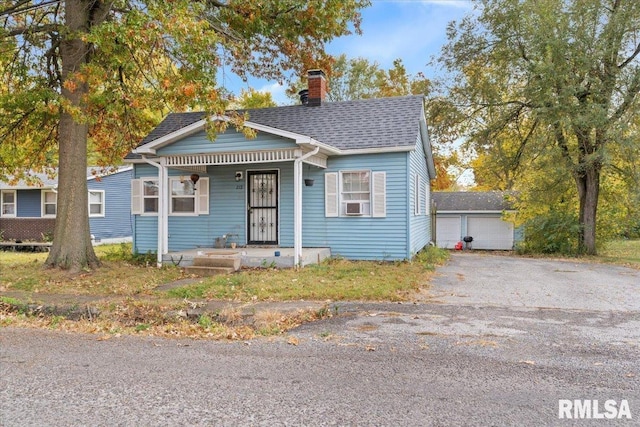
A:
[28, 211]
[350, 176]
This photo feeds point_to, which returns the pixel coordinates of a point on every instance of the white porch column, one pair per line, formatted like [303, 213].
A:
[163, 195]
[163, 208]
[297, 205]
[297, 212]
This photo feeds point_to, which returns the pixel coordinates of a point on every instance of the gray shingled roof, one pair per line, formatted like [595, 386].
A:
[366, 123]
[43, 180]
[471, 200]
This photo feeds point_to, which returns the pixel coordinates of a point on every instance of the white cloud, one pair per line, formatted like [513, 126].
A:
[277, 93]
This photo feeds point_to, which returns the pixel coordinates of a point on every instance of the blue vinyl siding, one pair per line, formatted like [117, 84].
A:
[117, 222]
[359, 237]
[226, 142]
[145, 234]
[396, 236]
[227, 210]
[29, 203]
[419, 224]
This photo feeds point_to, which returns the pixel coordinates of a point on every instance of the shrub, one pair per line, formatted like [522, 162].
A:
[551, 232]
[124, 252]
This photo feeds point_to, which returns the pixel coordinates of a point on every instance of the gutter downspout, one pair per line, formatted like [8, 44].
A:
[297, 205]
[161, 209]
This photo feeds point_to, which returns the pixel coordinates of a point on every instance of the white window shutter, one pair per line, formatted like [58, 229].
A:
[136, 196]
[416, 195]
[379, 201]
[331, 194]
[203, 196]
[427, 210]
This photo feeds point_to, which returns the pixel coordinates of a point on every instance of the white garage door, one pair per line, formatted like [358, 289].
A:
[490, 233]
[447, 232]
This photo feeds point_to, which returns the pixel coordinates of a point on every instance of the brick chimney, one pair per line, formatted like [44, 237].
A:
[317, 88]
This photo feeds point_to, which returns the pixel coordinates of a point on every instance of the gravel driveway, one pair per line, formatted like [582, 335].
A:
[484, 279]
[503, 341]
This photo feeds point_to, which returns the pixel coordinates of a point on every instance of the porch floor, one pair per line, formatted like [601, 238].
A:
[251, 256]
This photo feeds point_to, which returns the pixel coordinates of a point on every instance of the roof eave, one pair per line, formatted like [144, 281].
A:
[424, 134]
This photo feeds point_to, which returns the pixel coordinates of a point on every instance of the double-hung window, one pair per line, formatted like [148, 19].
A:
[183, 196]
[355, 193]
[150, 196]
[49, 203]
[96, 203]
[8, 203]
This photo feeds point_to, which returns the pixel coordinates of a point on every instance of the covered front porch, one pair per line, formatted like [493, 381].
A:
[251, 257]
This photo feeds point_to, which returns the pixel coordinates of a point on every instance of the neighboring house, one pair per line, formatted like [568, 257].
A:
[370, 162]
[475, 214]
[28, 212]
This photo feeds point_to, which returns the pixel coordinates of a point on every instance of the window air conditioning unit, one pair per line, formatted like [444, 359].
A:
[354, 208]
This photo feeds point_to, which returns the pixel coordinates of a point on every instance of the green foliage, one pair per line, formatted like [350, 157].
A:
[205, 321]
[552, 232]
[124, 252]
[432, 256]
[140, 327]
[568, 97]
[358, 78]
[251, 99]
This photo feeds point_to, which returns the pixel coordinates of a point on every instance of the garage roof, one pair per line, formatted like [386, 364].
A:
[456, 201]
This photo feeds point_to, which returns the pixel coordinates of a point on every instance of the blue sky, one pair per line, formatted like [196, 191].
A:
[412, 30]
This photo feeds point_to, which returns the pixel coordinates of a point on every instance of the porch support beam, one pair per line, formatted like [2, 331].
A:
[163, 211]
[297, 206]
[163, 223]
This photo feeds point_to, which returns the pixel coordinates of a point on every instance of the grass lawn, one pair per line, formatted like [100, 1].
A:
[121, 275]
[134, 306]
[625, 252]
[334, 279]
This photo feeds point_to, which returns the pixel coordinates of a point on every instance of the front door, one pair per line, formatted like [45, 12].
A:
[262, 217]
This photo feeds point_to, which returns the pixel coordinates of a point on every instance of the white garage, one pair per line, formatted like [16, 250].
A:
[448, 231]
[476, 214]
[490, 233]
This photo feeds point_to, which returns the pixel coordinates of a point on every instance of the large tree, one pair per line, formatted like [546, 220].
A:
[554, 77]
[98, 73]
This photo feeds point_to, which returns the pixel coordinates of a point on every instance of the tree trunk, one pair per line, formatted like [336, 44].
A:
[588, 192]
[72, 247]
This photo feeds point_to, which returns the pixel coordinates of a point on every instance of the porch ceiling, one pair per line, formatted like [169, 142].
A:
[185, 161]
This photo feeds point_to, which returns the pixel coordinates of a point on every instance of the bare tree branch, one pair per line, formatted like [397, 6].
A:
[46, 28]
[16, 8]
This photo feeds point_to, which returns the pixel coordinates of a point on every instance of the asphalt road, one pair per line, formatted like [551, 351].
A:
[471, 357]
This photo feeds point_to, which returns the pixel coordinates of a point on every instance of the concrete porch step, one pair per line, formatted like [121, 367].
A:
[215, 260]
[204, 271]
